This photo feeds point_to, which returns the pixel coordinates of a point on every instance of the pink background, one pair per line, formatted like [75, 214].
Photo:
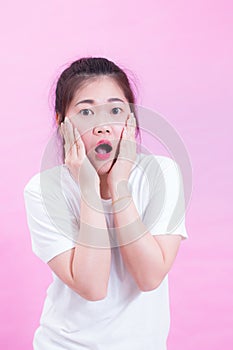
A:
[182, 53]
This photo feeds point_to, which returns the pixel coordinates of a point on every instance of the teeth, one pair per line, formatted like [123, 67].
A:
[103, 148]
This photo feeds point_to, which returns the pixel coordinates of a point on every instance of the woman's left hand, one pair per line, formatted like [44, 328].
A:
[119, 174]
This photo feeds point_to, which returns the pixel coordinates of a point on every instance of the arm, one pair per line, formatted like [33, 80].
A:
[148, 258]
[85, 268]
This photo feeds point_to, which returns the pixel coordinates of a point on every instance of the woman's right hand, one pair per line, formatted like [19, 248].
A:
[76, 159]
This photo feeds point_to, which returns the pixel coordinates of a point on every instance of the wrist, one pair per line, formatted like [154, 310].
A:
[91, 196]
[120, 189]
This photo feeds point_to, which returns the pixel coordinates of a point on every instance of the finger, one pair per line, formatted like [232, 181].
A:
[64, 131]
[63, 134]
[69, 131]
[125, 133]
[131, 120]
[69, 137]
[61, 130]
[79, 143]
[131, 127]
[77, 136]
[131, 124]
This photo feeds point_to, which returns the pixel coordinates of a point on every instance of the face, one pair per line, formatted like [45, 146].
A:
[99, 111]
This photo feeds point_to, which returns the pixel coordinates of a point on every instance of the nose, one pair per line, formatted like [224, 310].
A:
[102, 129]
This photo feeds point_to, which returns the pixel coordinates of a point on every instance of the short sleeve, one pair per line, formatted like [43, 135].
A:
[51, 222]
[165, 210]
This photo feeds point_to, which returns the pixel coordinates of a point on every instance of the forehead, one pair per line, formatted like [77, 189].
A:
[100, 89]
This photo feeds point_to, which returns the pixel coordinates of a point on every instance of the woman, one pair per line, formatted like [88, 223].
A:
[104, 220]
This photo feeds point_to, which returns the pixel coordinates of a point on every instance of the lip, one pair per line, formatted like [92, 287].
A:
[104, 141]
[102, 156]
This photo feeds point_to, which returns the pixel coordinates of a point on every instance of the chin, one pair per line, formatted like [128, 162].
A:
[105, 167]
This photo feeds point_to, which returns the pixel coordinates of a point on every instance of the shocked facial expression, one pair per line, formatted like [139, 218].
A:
[99, 111]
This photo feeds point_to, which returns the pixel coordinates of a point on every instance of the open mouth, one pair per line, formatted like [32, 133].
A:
[103, 149]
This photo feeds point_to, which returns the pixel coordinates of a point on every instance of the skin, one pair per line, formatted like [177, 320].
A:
[86, 124]
[84, 268]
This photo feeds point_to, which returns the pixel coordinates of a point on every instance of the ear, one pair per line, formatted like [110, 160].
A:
[58, 122]
[57, 116]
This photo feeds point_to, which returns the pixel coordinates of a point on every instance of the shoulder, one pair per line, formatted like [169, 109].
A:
[154, 164]
[152, 173]
[33, 185]
[45, 180]
[52, 186]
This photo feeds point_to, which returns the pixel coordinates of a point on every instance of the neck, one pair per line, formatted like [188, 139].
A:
[104, 188]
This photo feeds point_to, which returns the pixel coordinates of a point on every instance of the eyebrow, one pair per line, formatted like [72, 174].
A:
[113, 99]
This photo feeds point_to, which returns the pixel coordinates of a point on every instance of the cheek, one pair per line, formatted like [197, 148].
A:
[84, 128]
[86, 138]
[118, 131]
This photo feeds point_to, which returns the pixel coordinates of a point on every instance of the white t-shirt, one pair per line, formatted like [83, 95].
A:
[128, 318]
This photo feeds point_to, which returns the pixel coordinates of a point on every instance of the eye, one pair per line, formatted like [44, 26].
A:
[86, 112]
[116, 110]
